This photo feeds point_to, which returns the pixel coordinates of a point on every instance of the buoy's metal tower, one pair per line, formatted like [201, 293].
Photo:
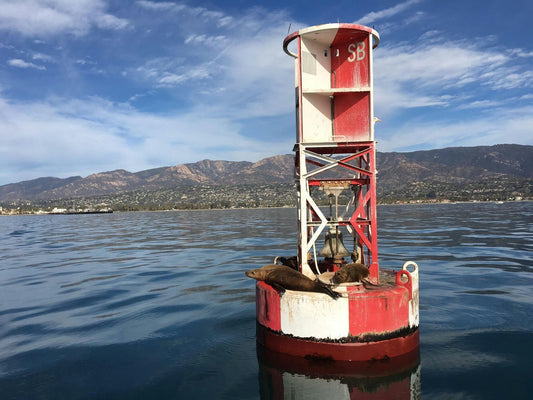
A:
[335, 147]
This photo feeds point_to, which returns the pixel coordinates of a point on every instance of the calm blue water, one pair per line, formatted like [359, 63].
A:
[156, 305]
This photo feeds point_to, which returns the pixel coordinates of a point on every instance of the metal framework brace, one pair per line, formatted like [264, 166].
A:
[354, 167]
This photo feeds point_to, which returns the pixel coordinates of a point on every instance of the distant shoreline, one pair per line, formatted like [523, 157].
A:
[410, 203]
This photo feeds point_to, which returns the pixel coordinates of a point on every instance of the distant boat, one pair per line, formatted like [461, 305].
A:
[64, 211]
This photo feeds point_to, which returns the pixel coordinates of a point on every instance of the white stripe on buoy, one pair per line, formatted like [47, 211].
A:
[309, 314]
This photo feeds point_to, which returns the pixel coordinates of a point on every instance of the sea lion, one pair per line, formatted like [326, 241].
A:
[282, 277]
[289, 262]
[354, 272]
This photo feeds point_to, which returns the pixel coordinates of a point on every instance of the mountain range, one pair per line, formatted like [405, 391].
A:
[396, 172]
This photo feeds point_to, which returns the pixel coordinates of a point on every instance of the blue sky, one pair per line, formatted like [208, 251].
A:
[95, 85]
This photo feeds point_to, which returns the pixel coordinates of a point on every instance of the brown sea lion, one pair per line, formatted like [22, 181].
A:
[354, 272]
[282, 277]
[289, 262]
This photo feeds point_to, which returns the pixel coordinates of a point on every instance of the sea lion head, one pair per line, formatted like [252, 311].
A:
[341, 276]
[353, 272]
[257, 273]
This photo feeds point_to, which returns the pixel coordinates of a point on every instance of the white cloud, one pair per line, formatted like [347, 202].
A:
[225, 20]
[467, 91]
[53, 17]
[259, 75]
[42, 57]
[247, 59]
[448, 63]
[169, 72]
[206, 40]
[509, 78]
[430, 36]
[261, 78]
[170, 79]
[504, 125]
[480, 104]
[160, 6]
[221, 19]
[108, 21]
[418, 16]
[83, 137]
[387, 13]
[423, 74]
[16, 62]
[521, 53]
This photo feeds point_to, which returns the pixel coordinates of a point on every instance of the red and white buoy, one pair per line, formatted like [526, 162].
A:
[335, 156]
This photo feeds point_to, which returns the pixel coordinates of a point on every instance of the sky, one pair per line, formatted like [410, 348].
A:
[88, 86]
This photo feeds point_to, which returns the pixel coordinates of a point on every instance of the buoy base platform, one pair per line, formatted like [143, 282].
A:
[376, 322]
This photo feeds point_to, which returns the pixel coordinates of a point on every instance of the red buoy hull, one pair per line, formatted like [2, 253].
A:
[382, 351]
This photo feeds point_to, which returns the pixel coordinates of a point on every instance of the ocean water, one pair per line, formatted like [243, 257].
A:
[156, 305]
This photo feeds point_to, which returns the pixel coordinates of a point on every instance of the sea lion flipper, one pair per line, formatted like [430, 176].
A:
[330, 292]
[368, 282]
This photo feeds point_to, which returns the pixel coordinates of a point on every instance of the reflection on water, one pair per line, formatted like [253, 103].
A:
[156, 305]
[286, 377]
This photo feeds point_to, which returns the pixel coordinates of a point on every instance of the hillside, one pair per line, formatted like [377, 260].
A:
[454, 166]
[460, 173]
[275, 169]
